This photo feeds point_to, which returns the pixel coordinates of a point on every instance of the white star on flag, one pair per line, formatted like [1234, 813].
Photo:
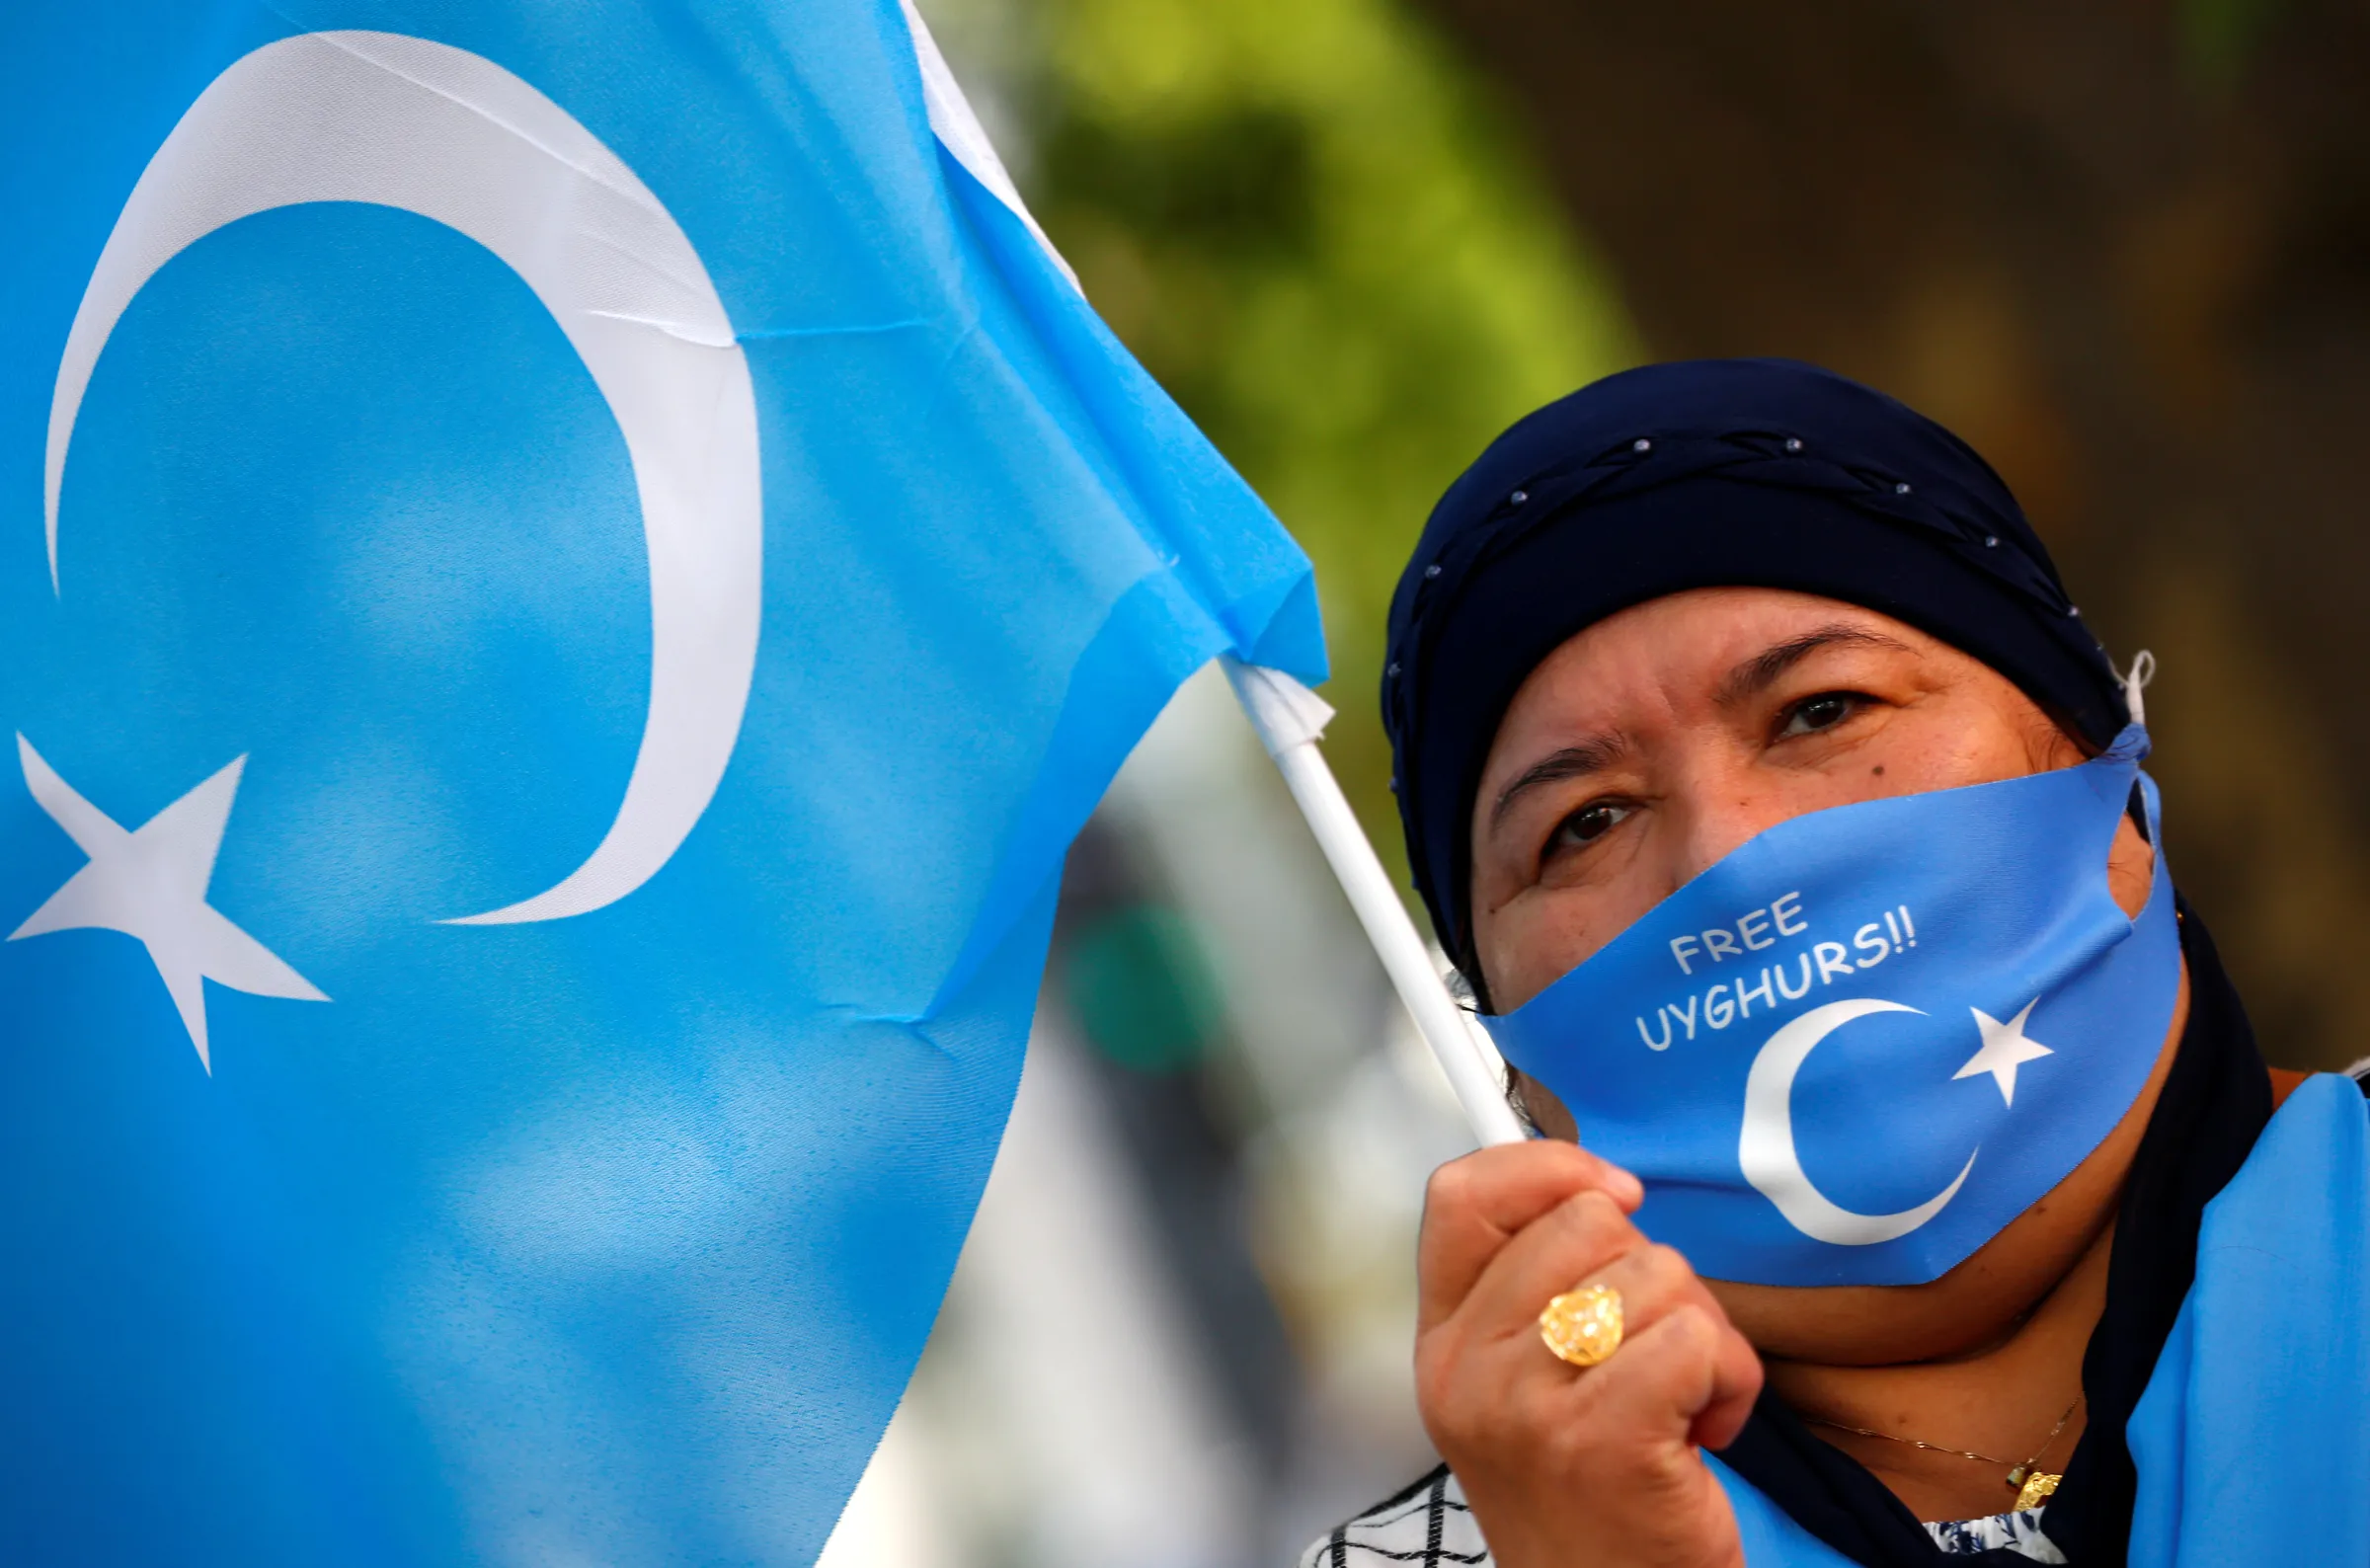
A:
[2004, 1048]
[150, 884]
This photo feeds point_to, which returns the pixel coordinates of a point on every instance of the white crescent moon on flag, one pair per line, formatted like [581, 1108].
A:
[399, 121]
[1766, 1147]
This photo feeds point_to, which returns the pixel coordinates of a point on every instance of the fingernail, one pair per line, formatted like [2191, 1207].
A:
[1628, 1189]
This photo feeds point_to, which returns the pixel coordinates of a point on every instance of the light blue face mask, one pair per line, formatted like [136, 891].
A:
[1855, 1049]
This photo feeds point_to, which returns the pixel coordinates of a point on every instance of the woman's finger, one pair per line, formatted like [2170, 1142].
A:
[1668, 1377]
[1734, 1391]
[1475, 1206]
[1657, 1282]
[1568, 1244]
[1653, 1280]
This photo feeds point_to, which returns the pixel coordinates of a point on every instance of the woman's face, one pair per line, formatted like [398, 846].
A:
[1657, 740]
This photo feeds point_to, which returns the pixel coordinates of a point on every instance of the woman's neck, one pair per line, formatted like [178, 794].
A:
[2000, 1400]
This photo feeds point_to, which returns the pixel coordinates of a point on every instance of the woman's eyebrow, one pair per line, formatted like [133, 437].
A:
[1592, 756]
[1754, 675]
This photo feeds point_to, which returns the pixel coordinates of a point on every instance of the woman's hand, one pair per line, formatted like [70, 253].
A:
[1565, 1465]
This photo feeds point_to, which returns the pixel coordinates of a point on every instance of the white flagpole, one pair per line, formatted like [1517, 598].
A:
[1290, 717]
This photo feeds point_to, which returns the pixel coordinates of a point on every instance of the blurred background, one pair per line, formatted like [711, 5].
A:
[2123, 248]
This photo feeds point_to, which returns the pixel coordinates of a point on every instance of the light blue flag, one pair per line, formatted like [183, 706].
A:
[567, 575]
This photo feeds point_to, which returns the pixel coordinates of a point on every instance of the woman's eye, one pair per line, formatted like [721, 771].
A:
[1588, 824]
[1822, 712]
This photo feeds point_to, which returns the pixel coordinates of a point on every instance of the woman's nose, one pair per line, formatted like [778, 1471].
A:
[1716, 816]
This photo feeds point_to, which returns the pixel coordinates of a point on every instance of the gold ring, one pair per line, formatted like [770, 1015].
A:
[1583, 1326]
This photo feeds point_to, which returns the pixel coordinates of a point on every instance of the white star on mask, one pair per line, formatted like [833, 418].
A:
[150, 884]
[2005, 1047]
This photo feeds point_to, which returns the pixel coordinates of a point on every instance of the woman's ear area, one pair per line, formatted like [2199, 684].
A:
[2050, 742]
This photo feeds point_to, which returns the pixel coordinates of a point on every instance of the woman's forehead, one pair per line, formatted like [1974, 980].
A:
[1705, 646]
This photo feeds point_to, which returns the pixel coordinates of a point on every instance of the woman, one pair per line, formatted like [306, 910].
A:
[1905, 1146]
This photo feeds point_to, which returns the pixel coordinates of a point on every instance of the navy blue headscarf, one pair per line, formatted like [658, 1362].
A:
[1759, 473]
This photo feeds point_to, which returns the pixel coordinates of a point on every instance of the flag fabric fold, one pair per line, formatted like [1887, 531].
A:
[605, 558]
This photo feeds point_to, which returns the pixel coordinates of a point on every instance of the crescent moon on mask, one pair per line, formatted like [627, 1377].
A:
[398, 122]
[1766, 1147]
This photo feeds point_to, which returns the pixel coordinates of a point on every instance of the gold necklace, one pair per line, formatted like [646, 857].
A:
[2033, 1487]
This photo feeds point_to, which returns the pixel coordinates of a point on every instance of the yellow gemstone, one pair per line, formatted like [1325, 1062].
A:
[1583, 1326]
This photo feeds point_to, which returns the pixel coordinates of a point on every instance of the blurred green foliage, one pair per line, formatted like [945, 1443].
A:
[1142, 987]
[1318, 230]
[2218, 38]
